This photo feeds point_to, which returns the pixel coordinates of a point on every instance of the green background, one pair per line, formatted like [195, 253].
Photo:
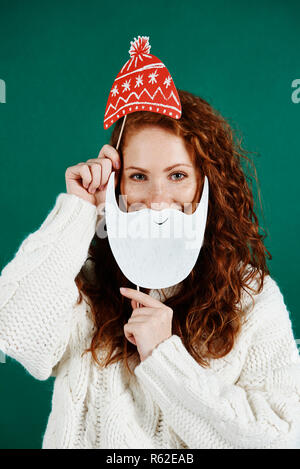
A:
[59, 60]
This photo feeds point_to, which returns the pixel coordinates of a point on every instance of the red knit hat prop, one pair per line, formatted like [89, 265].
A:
[143, 84]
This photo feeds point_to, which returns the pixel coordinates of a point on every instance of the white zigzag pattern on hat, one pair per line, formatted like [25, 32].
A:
[138, 97]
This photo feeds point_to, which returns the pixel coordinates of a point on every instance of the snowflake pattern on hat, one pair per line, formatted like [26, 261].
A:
[143, 84]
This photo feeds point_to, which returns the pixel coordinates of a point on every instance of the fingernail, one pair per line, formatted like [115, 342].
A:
[117, 165]
[122, 289]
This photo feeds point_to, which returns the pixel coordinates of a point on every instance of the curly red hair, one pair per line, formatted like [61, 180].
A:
[207, 312]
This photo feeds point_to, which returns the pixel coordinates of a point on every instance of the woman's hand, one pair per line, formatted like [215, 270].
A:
[148, 326]
[89, 180]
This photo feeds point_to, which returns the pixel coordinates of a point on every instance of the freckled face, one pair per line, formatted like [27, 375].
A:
[158, 172]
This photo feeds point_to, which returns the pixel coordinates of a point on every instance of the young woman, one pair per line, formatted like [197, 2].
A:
[208, 363]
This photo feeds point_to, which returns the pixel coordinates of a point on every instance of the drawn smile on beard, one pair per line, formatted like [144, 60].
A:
[160, 223]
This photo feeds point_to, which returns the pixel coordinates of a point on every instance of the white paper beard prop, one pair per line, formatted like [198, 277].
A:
[155, 249]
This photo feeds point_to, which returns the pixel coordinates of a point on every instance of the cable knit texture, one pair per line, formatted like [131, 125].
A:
[248, 399]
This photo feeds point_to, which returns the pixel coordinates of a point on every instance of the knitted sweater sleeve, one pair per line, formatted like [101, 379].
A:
[37, 287]
[260, 410]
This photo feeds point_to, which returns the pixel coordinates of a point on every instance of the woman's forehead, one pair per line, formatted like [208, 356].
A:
[154, 146]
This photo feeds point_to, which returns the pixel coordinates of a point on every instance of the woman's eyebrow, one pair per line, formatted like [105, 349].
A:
[165, 170]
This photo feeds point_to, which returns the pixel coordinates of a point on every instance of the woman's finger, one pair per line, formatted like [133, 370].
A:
[134, 304]
[83, 171]
[96, 174]
[107, 151]
[140, 297]
[106, 166]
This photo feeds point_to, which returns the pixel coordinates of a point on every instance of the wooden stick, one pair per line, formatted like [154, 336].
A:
[121, 132]
[138, 289]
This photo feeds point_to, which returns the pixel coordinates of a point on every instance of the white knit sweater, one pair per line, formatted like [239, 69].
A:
[248, 399]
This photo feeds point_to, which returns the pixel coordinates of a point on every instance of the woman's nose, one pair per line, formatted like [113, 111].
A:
[158, 200]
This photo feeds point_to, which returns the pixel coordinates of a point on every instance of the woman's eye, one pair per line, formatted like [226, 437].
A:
[181, 174]
[137, 174]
